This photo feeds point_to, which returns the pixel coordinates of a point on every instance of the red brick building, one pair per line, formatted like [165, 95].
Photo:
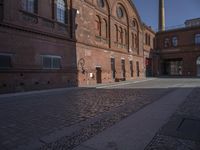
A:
[61, 43]
[179, 50]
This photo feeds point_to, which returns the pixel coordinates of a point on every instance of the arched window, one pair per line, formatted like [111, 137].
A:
[61, 11]
[30, 5]
[116, 33]
[98, 26]
[104, 28]
[136, 41]
[133, 40]
[121, 35]
[125, 37]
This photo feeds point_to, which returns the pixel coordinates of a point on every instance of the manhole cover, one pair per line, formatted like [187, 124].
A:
[190, 128]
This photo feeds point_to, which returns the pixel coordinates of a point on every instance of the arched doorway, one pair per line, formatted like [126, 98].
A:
[198, 66]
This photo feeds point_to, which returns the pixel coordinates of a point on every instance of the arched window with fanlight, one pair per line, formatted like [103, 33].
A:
[30, 6]
[61, 11]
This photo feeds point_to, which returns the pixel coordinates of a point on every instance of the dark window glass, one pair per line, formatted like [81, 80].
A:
[197, 39]
[174, 41]
[51, 62]
[120, 12]
[101, 3]
[47, 62]
[56, 63]
[30, 6]
[131, 68]
[1, 9]
[5, 61]
[113, 67]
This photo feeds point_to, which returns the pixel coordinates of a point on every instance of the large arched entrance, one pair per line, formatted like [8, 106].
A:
[198, 66]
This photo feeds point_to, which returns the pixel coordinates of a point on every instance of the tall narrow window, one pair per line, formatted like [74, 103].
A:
[98, 26]
[1, 10]
[125, 37]
[116, 33]
[113, 67]
[30, 5]
[104, 26]
[133, 41]
[131, 68]
[121, 35]
[61, 11]
[197, 39]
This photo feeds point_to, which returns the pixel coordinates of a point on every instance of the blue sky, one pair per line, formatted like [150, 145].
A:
[176, 11]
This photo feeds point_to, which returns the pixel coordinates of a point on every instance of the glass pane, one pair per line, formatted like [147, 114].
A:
[5, 61]
[56, 63]
[47, 62]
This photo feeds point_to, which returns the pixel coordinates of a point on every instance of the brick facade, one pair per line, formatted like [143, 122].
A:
[90, 51]
[179, 57]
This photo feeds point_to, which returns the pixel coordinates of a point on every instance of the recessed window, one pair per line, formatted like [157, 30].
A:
[30, 5]
[5, 61]
[51, 62]
[101, 3]
[61, 11]
[120, 12]
[175, 41]
[197, 39]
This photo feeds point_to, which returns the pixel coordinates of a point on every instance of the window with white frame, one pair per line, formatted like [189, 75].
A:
[175, 41]
[30, 5]
[197, 39]
[5, 61]
[51, 62]
[61, 11]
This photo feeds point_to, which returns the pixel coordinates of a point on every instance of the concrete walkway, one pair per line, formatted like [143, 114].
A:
[136, 131]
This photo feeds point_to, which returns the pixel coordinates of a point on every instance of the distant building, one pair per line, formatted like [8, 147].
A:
[192, 22]
[177, 50]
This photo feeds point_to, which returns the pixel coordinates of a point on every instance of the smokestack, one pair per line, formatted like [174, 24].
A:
[161, 15]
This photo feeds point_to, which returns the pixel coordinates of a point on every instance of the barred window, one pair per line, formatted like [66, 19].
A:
[51, 62]
[5, 61]
[30, 5]
[61, 11]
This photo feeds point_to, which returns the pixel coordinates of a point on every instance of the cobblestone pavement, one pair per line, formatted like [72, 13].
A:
[170, 137]
[64, 119]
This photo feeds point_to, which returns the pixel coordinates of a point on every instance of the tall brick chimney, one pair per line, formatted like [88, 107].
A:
[161, 25]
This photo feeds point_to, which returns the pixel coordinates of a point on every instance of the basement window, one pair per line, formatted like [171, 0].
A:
[51, 62]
